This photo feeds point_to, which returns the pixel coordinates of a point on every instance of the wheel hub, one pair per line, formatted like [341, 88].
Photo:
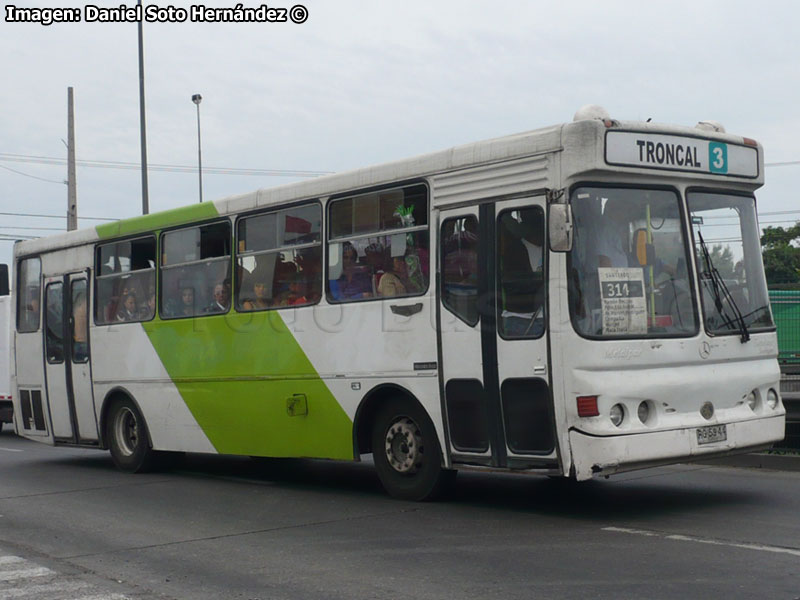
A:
[127, 431]
[403, 446]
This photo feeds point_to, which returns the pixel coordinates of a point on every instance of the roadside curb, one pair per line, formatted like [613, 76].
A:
[773, 462]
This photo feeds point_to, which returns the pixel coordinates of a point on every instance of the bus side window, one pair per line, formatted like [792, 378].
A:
[80, 322]
[195, 271]
[54, 323]
[379, 245]
[29, 289]
[279, 259]
[459, 241]
[125, 281]
[520, 272]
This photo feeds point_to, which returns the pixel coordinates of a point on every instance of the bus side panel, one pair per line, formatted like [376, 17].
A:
[28, 388]
[27, 378]
[263, 383]
[560, 330]
[124, 359]
[250, 386]
[359, 346]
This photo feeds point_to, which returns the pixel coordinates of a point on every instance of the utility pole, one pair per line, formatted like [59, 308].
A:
[142, 126]
[197, 99]
[72, 195]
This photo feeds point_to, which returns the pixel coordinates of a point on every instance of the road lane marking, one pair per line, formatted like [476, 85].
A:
[24, 574]
[699, 540]
[55, 589]
[103, 597]
[11, 450]
[21, 578]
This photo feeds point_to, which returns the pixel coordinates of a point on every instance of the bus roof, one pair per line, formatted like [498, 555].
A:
[583, 141]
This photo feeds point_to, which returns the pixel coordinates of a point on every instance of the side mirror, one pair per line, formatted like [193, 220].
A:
[560, 227]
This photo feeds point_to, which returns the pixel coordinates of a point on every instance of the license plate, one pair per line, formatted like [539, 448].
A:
[711, 434]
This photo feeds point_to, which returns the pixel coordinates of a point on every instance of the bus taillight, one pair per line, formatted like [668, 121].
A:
[587, 406]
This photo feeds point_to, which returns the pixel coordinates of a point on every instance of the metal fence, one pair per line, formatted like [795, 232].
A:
[786, 312]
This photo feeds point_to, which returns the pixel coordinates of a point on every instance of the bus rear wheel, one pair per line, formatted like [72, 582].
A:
[406, 451]
[128, 440]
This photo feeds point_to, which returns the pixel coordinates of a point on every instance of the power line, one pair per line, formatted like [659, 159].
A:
[114, 164]
[12, 214]
[31, 176]
[782, 164]
[15, 228]
[779, 212]
[736, 224]
[110, 164]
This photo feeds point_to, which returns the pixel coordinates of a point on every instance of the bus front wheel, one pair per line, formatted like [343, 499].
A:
[127, 436]
[406, 451]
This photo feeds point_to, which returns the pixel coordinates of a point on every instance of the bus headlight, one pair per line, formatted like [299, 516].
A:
[643, 412]
[617, 413]
[772, 399]
[751, 400]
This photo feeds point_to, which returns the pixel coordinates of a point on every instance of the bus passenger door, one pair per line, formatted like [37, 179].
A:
[493, 324]
[523, 366]
[67, 366]
[461, 294]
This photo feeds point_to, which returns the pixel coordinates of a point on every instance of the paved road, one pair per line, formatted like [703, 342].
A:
[211, 527]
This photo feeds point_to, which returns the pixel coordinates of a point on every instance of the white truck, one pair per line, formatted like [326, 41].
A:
[6, 408]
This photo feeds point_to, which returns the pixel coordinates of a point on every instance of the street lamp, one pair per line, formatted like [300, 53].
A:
[142, 124]
[197, 99]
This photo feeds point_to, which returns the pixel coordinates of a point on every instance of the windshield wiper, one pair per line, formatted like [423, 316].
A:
[721, 292]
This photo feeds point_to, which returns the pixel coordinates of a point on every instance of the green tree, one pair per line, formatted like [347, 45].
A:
[781, 255]
[722, 258]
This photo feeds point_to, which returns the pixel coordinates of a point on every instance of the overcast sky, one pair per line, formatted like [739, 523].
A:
[367, 82]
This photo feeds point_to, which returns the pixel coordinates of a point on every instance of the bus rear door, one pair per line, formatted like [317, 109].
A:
[67, 364]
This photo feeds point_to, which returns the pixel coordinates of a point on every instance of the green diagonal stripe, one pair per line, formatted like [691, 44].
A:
[216, 363]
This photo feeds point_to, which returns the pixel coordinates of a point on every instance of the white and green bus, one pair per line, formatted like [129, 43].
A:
[579, 301]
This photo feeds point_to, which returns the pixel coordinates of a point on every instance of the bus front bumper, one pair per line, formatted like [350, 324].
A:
[599, 455]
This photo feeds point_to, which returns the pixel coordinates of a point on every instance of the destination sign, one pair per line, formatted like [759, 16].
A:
[679, 153]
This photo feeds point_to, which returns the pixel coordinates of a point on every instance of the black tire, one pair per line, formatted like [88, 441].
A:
[128, 438]
[406, 451]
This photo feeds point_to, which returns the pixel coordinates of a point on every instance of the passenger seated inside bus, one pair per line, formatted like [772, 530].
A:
[148, 311]
[183, 306]
[284, 272]
[296, 294]
[396, 282]
[128, 311]
[376, 256]
[222, 299]
[260, 299]
[355, 281]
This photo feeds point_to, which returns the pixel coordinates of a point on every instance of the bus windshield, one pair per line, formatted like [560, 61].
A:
[627, 268]
[728, 255]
